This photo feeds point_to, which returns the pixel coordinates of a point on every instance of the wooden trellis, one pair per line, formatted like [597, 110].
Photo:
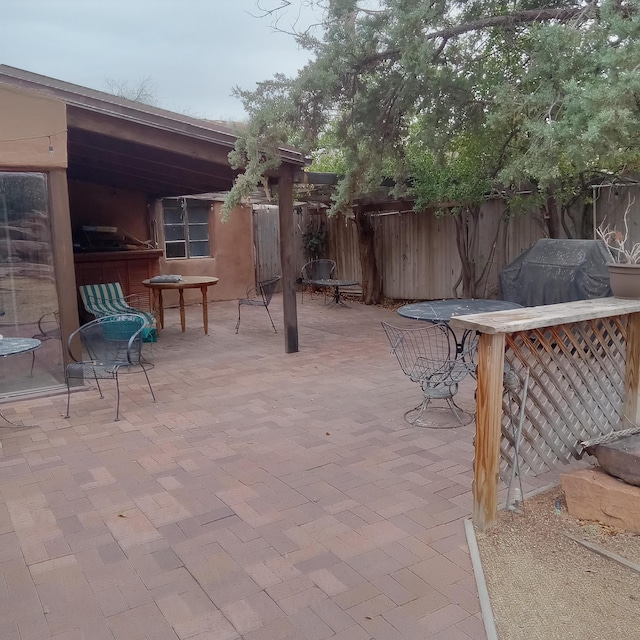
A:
[583, 360]
[575, 391]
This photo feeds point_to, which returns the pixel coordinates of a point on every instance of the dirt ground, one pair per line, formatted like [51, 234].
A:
[545, 586]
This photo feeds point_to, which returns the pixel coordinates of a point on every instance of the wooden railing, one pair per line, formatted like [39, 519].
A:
[581, 361]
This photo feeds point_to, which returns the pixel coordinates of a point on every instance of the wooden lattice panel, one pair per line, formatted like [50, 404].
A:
[575, 391]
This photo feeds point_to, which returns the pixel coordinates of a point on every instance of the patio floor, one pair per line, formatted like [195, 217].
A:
[265, 496]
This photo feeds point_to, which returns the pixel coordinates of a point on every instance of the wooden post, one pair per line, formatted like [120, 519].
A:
[289, 302]
[63, 257]
[631, 408]
[488, 429]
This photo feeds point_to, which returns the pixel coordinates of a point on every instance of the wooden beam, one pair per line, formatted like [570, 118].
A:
[142, 133]
[486, 466]
[102, 159]
[86, 144]
[289, 302]
[547, 315]
[631, 408]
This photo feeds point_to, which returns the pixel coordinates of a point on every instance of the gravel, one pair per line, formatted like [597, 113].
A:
[544, 586]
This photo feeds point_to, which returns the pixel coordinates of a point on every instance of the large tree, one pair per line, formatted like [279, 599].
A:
[484, 90]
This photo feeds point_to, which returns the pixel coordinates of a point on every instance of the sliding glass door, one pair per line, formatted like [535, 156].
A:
[28, 296]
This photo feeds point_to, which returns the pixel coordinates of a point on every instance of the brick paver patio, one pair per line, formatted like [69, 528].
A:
[264, 496]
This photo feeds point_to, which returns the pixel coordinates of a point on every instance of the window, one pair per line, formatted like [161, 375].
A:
[186, 228]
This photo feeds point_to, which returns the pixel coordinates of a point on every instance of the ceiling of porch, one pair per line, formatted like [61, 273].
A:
[124, 144]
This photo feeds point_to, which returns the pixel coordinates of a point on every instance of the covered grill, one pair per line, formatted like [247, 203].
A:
[554, 271]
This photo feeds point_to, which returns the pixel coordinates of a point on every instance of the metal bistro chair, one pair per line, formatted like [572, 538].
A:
[48, 329]
[321, 269]
[266, 288]
[110, 345]
[107, 299]
[428, 356]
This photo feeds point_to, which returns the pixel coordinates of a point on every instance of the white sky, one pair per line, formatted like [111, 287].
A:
[193, 52]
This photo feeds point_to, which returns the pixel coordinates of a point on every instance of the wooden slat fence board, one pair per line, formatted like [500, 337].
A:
[266, 240]
[343, 247]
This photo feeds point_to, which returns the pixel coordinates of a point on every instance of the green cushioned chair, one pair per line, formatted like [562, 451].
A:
[108, 299]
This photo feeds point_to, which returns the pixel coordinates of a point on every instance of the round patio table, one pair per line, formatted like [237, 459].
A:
[187, 282]
[12, 347]
[443, 310]
[336, 284]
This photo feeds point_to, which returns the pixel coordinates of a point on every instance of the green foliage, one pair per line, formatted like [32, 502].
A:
[328, 156]
[314, 243]
[451, 98]
[460, 177]
[576, 102]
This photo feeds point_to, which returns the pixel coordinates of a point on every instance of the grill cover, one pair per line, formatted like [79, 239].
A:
[553, 271]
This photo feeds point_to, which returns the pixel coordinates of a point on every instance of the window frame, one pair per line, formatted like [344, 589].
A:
[187, 226]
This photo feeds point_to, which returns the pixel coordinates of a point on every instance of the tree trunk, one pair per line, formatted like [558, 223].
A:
[371, 285]
[552, 216]
[467, 242]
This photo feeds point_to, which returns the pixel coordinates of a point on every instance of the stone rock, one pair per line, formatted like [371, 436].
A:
[620, 457]
[592, 494]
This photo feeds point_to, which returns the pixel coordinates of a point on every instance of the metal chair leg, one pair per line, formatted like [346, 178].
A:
[117, 398]
[98, 384]
[238, 323]
[270, 318]
[153, 395]
[68, 397]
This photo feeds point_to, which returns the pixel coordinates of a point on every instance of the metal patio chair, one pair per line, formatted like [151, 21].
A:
[428, 356]
[265, 289]
[48, 329]
[111, 345]
[107, 299]
[321, 269]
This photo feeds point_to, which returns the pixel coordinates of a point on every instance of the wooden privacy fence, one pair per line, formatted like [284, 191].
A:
[417, 252]
[583, 365]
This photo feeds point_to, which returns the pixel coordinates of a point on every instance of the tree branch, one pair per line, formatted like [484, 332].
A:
[526, 16]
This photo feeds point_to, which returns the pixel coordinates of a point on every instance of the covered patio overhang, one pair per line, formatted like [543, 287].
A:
[115, 142]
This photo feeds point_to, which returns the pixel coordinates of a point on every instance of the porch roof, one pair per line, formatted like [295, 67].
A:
[130, 145]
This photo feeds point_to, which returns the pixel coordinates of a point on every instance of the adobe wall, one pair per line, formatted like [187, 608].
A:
[232, 260]
[33, 131]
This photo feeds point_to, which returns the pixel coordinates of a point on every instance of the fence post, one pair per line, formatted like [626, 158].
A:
[631, 409]
[488, 429]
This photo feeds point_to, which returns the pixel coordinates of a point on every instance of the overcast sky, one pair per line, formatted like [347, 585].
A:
[193, 52]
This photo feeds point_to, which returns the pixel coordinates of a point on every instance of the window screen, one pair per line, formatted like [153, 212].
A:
[186, 229]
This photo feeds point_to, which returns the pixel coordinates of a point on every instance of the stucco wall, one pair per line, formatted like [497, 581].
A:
[30, 124]
[232, 258]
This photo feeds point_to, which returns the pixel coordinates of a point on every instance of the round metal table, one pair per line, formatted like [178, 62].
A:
[336, 284]
[443, 310]
[12, 347]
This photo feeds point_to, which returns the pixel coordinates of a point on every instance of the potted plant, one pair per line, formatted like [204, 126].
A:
[624, 269]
